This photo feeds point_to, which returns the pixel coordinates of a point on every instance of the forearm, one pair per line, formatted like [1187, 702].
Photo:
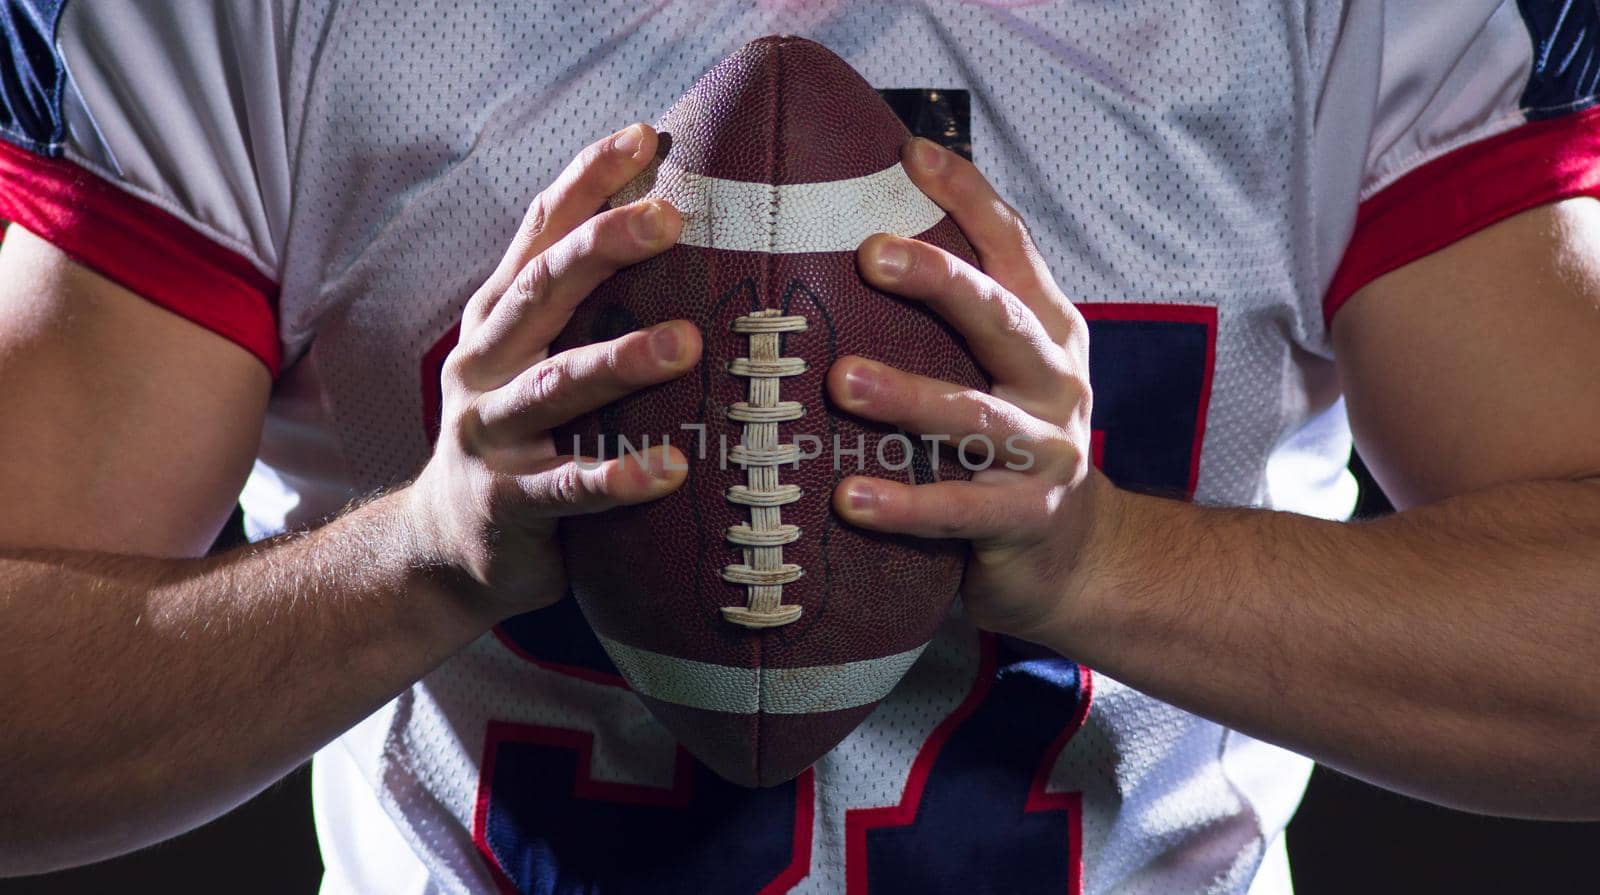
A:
[1449, 651]
[144, 696]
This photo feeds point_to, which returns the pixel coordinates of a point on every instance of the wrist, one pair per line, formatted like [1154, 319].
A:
[445, 594]
[1091, 597]
[1140, 576]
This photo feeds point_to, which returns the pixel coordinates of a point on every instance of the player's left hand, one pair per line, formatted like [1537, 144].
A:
[1028, 526]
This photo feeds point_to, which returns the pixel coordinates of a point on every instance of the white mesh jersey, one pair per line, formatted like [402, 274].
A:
[325, 183]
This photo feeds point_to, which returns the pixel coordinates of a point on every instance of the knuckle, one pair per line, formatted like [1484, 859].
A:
[1034, 258]
[1076, 396]
[1074, 329]
[583, 165]
[458, 364]
[587, 239]
[948, 268]
[949, 526]
[532, 282]
[1060, 450]
[566, 485]
[1012, 221]
[613, 360]
[951, 517]
[1074, 455]
[984, 417]
[994, 513]
[599, 159]
[477, 308]
[543, 383]
[570, 485]
[1069, 386]
[1012, 318]
[1077, 388]
[537, 219]
[1080, 430]
[611, 237]
[630, 362]
[992, 516]
[599, 242]
[463, 431]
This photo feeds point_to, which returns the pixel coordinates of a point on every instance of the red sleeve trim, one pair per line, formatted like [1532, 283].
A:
[1464, 191]
[142, 247]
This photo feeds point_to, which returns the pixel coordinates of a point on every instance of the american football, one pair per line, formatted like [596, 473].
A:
[419, 473]
[756, 626]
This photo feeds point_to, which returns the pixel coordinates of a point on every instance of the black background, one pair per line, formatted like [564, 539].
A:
[1348, 838]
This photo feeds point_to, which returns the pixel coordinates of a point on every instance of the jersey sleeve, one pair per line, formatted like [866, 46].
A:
[1474, 110]
[147, 141]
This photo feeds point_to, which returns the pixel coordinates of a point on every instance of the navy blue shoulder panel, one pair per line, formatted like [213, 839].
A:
[31, 75]
[1566, 56]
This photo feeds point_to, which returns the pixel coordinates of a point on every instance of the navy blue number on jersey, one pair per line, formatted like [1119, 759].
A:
[1150, 367]
[974, 815]
[547, 826]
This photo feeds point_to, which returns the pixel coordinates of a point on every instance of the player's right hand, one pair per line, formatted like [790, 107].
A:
[487, 502]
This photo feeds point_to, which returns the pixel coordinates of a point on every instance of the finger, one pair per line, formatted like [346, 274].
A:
[575, 382]
[599, 171]
[1003, 333]
[544, 293]
[1006, 250]
[969, 510]
[963, 418]
[571, 486]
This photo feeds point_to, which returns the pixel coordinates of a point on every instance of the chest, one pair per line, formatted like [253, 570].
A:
[1155, 156]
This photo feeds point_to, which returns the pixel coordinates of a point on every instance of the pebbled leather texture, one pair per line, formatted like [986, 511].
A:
[779, 111]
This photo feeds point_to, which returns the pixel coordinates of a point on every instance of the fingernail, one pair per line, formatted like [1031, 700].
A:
[859, 382]
[892, 259]
[927, 155]
[669, 465]
[628, 140]
[860, 497]
[664, 342]
[660, 466]
[647, 224]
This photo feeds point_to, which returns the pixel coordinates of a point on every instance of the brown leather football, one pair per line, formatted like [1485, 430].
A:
[754, 623]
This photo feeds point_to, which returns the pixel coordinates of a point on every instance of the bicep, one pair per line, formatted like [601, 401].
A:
[123, 427]
[1480, 363]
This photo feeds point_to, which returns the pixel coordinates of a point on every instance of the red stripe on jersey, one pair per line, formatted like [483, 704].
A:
[805, 815]
[1464, 191]
[142, 247]
[1041, 799]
